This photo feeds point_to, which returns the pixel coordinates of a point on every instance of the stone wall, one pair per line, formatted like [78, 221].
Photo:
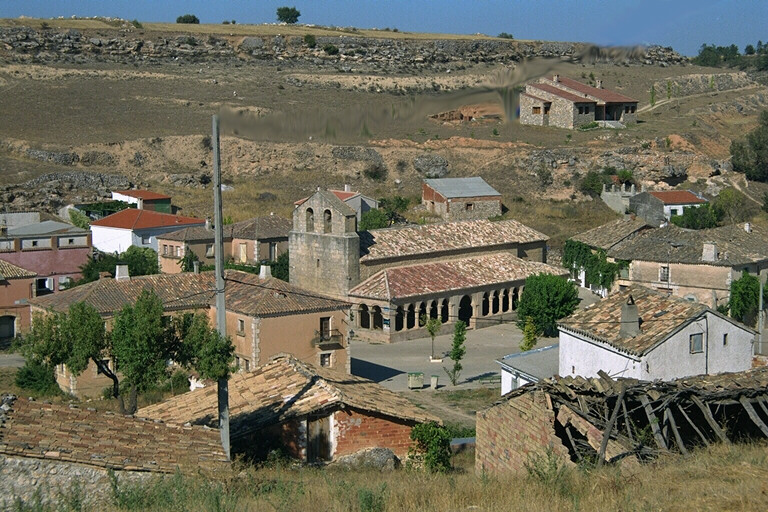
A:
[27, 479]
[472, 208]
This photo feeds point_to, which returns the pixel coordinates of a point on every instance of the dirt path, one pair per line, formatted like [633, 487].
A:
[659, 103]
[434, 403]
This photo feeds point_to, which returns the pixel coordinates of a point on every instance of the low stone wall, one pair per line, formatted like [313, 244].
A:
[28, 479]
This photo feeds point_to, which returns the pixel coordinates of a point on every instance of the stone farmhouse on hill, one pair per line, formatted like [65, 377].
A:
[647, 335]
[316, 414]
[248, 242]
[470, 270]
[567, 103]
[265, 317]
[460, 198]
[45, 447]
[658, 206]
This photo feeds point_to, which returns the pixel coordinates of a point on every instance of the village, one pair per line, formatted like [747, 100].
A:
[157, 353]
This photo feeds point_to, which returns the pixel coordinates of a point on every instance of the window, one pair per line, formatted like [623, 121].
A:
[626, 109]
[145, 239]
[327, 221]
[536, 110]
[272, 251]
[697, 344]
[34, 243]
[581, 110]
[247, 364]
[71, 241]
[209, 250]
[178, 251]
[165, 249]
[664, 273]
[310, 220]
[469, 207]
[325, 327]
[240, 326]
[725, 339]
[546, 109]
[632, 109]
[237, 362]
[325, 359]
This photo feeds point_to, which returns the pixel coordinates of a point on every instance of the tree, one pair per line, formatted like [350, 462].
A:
[701, 217]
[187, 262]
[188, 18]
[749, 50]
[289, 15]
[592, 183]
[530, 334]
[140, 260]
[744, 300]
[751, 155]
[280, 268]
[205, 349]
[433, 326]
[731, 206]
[625, 176]
[505, 35]
[433, 442]
[457, 351]
[373, 219]
[394, 207]
[547, 298]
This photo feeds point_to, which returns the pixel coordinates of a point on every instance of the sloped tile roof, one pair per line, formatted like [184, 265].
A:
[132, 218]
[561, 93]
[608, 235]
[245, 293]
[662, 315]
[605, 95]
[260, 228]
[190, 234]
[462, 187]
[11, 271]
[449, 276]
[735, 246]
[443, 237]
[46, 227]
[535, 97]
[72, 434]
[677, 197]
[343, 195]
[282, 389]
[142, 194]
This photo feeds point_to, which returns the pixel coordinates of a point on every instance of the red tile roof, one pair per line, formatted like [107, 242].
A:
[563, 94]
[133, 218]
[449, 276]
[10, 271]
[141, 194]
[602, 94]
[677, 197]
[341, 194]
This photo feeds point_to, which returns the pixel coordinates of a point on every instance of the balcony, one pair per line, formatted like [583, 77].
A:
[328, 340]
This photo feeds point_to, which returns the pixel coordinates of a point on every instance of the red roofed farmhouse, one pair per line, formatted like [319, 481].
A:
[117, 232]
[658, 206]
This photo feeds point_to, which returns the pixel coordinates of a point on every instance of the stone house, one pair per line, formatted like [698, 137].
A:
[140, 228]
[643, 334]
[17, 286]
[355, 200]
[460, 198]
[249, 242]
[145, 200]
[265, 316]
[697, 265]
[55, 251]
[47, 448]
[566, 103]
[316, 414]
[658, 206]
[329, 255]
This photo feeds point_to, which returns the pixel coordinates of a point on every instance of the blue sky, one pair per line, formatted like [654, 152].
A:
[682, 24]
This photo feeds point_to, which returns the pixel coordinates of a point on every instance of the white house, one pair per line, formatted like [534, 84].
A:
[648, 335]
[117, 232]
[528, 367]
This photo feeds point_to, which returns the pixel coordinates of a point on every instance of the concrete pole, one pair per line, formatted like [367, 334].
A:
[221, 311]
[760, 275]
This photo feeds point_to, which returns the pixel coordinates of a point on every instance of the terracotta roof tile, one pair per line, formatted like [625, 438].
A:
[561, 93]
[132, 218]
[444, 237]
[677, 197]
[608, 235]
[57, 432]
[605, 95]
[282, 389]
[535, 97]
[432, 278]
[11, 271]
[142, 194]
[190, 234]
[260, 228]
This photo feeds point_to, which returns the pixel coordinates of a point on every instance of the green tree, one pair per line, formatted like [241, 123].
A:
[79, 219]
[394, 207]
[288, 15]
[373, 219]
[188, 19]
[547, 298]
[749, 50]
[751, 155]
[592, 183]
[530, 334]
[310, 40]
[206, 349]
[187, 262]
[700, 217]
[433, 326]
[744, 300]
[505, 35]
[457, 351]
[140, 260]
[731, 206]
[433, 442]
[281, 266]
[626, 176]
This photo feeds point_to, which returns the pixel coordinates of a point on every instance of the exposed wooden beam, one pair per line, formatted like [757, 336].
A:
[573, 443]
[627, 420]
[693, 425]
[653, 421]
[671, 420]
[609, 428]
[710, 419]
[753, 414]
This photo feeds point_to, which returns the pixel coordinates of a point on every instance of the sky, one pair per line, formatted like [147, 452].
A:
[682, 24]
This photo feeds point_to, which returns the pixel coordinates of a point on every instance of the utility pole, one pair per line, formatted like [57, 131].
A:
[760, 274]
[221, 311]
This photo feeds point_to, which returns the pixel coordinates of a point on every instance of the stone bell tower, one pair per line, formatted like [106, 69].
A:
[324, 246]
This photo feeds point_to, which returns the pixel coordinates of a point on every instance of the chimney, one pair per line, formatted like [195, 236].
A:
[556, 78]
[630, 319]
[265, 272]
[599, 84]
[208, 223]
[709, 251]
[121, 273]
[747, 227]
[196, 267]
[347, 187]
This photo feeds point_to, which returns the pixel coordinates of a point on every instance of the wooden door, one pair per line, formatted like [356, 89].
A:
[318, 439]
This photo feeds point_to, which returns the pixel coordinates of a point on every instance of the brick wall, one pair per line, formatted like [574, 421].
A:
[356, 430]
[509, 433]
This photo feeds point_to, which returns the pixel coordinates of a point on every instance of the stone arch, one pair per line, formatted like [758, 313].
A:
[378, 318]
[515, 298]
[445, 311]
[486, 306]
[310, 219]
[465, 309]
[399, 317]
[364, 317]
[327, 224]
[410, 318]
[505, 300]
[495, 302]
[433, 307]
[422, 314]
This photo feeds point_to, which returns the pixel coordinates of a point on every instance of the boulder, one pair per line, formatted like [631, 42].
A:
[382, 459]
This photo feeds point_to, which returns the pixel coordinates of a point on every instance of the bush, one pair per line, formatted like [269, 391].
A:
[79, 219]
[589, 126]
[190, 19]
[38, 377]
[751, 155]
[310, 40]
[701, 217]
[433, 442]
[505, 35]
[137, 24]
[373, 219]
[330, 49]
[376, 172]
[592, 184]
[288, 15]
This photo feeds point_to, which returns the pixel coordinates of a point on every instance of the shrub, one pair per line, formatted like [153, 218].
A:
[190, 19]
[330, 49]
[288, 15]
[751, 155]
[373, 219]
[137, 24]
[376, 172]
[505, 35]
[701, 217]
[589, 126]
[549, 470]
[79, 219]
[592, 183]
[433, 443]
[372, 500]
[38, 377]
[310, 40]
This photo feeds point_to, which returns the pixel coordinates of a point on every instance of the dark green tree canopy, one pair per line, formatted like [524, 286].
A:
[141, 261]
[288, 15]
[701, 217]
[373, 219]
[751, 155]
[546, 299]
[188, 18]
[745, 297]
